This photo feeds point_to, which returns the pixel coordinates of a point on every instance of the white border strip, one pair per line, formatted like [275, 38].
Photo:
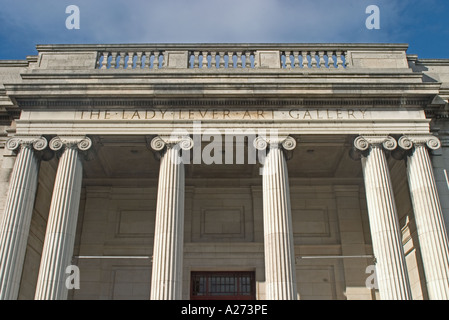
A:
[335, 257]
[112, 257]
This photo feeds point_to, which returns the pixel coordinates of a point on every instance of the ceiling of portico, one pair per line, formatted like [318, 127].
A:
[124, 158]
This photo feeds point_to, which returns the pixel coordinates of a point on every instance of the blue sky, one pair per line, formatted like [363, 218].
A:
[423, 24]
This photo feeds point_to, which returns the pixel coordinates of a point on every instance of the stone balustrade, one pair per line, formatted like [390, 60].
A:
[312, 59]
[213, 57]
[130, 60]
[298, 58]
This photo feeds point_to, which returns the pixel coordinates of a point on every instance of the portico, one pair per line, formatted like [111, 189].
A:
[343, 178]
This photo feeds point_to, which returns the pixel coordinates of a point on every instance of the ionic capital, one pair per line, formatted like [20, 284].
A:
[160, 142]
[36, 142]
[363, 143]
[409, 141]
[82, 143]
[286, 142]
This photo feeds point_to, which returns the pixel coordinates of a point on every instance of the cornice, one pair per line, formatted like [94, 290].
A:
[223, 90]
[18, 63]
[433, 62]
[226, 72]
[219, 46]
[244, 102]
[13, 63]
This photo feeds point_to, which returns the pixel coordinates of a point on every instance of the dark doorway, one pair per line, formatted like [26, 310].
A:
[223, 286]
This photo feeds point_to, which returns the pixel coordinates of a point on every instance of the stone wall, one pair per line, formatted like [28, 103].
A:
[47, 174]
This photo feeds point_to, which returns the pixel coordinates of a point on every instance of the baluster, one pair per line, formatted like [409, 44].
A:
[322, 62]
[345, 53]
[147, 60]
[239, 59]
[122, 60]
[339, 59]
[221, 61]
[313, 59]
[156, 60]
[296, 59]
[114, 60]
[248, 59]
[130, 60]
[330, 62]
[213, 60]
[196, 59]
[230, 60]
[139, 60]
[305, 62]
[204, 62]
[288, 63]
[104, 64]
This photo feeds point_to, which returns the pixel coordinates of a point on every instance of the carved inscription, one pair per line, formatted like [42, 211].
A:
[225, 114]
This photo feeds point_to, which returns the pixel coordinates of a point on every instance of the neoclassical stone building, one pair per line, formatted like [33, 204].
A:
[303, 166]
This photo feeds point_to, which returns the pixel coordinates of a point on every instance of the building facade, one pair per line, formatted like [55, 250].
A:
[224, 171]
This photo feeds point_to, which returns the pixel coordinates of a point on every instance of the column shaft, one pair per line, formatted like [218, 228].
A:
[16, 221]
[392, 276]
[61, 228]
[166, 281]
[279, 246]
[432, 234]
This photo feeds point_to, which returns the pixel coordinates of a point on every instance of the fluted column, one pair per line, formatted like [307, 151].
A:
[166, 279]
[429, 219]
[280, 271]
[62, 219]
[15, 225]
[392, 276]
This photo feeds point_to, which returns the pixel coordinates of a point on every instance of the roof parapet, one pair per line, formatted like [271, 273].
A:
[287, 56]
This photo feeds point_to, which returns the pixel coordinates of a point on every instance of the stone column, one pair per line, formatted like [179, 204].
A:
[280, 270]
[392, 276]
[166, 279]
[62, 219]
[430, 225]
[16, 221]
